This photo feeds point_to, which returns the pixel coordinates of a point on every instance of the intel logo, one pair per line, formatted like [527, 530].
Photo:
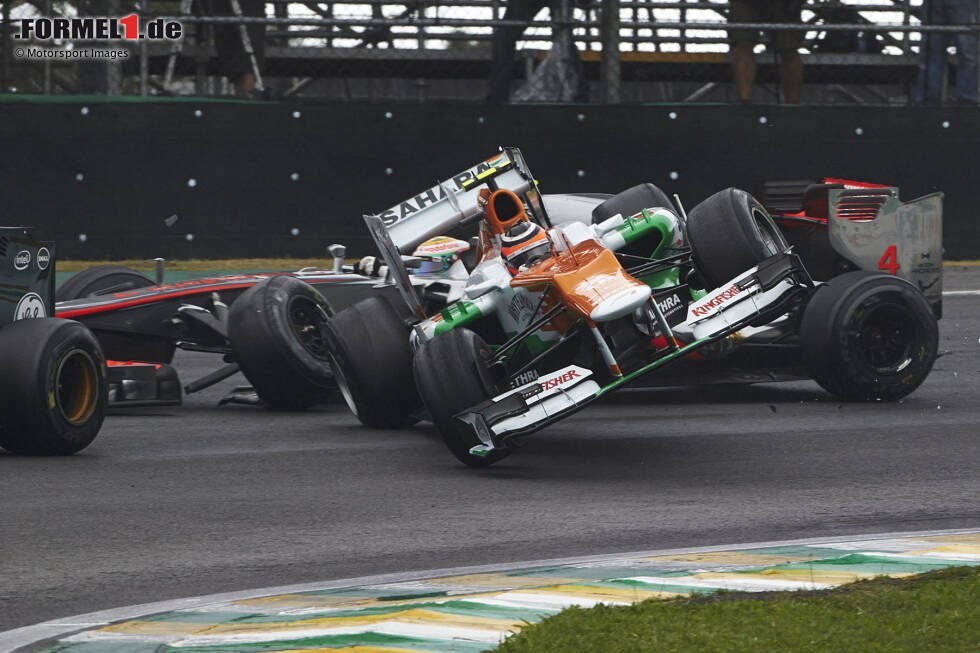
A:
[22, 260]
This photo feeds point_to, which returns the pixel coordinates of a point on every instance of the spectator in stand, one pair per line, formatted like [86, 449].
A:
[505, 46]
[929, 87]
[786, 43]
[233, 60]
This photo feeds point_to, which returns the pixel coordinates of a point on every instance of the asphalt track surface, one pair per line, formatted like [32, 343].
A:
[197, 500]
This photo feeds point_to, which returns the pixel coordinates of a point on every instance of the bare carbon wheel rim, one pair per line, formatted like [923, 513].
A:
[887, 339]
[769, 238]
[308, 321]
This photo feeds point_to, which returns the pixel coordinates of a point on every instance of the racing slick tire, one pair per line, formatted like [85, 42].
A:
[101, 279]
[729, 233]
[53, 390]
[867, 336]
[630, 202]
[372, 361]
[452, 374]
[277, 330]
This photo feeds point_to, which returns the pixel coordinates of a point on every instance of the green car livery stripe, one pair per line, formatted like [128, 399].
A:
[643, 224]
[646, 368]
[457, 315]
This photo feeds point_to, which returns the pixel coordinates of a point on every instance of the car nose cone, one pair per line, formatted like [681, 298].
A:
[622, 303]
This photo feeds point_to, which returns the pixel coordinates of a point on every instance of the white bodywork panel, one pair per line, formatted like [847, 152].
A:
[732, 303]
[571, 208]
[561, 390]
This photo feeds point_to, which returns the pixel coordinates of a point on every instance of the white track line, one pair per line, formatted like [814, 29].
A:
[926, 557]
[417, 630]
[750, 584]
[960, 293]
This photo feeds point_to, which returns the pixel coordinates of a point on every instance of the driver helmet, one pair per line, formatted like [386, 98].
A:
[523, 244]
[438, 254]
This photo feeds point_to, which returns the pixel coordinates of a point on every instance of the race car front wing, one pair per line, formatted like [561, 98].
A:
[760, 294]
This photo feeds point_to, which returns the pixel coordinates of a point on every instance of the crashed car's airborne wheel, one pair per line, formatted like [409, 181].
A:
[101, 279]
[630, 202]
[452, 374]
[277, 330]
[372, 362]
[53, 387]
[729, 233]
[868, 336]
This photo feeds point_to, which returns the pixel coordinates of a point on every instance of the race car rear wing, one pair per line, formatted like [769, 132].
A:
[869, 226]
[875, 230]
[446, 205]
[453, 201]
[397, 271]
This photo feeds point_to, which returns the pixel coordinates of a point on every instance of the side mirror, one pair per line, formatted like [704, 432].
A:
[337, 252]
[609, 224]
[158, 266]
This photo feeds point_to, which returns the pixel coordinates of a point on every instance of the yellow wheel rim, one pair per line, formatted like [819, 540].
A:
[77, 386]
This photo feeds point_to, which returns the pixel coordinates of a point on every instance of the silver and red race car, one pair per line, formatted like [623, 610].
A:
[266, 325]
[575, 296]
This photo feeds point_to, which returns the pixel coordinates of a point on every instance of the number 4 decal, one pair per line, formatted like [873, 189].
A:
[889, 260]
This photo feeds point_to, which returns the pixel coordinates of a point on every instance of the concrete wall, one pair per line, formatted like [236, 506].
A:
[241, 176]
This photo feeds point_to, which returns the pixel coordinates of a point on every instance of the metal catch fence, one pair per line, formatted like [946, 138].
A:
[606, 51]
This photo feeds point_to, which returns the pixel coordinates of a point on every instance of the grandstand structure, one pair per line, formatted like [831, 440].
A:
[632, 51]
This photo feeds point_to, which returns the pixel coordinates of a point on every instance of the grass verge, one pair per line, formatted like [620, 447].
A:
[936, 611]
